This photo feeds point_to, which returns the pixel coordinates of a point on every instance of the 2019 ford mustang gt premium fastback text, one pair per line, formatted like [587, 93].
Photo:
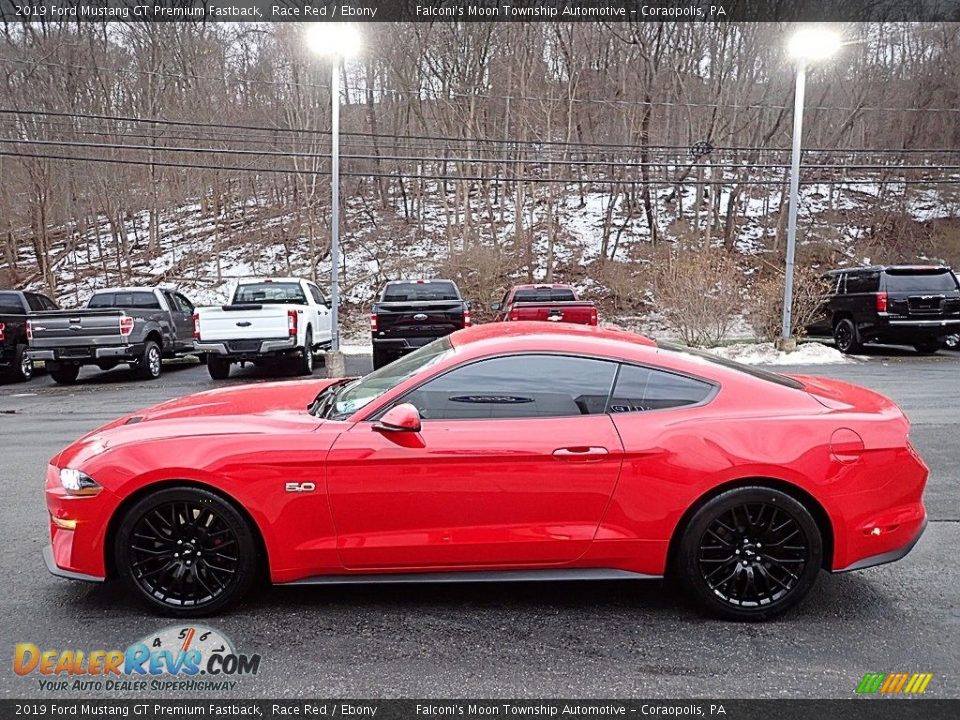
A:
[515, 451]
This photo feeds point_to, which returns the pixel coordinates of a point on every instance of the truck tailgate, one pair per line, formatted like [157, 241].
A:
[578, 312]
[76, 329]
[240, 322]
[419, 319]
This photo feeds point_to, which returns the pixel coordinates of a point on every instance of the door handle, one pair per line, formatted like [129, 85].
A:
[582, 452]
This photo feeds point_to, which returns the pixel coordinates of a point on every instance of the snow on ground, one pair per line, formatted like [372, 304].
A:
[810, 353]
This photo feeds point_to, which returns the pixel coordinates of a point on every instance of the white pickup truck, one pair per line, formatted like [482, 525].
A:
[267, 322]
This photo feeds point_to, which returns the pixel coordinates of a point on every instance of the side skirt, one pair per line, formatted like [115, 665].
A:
[552, 575]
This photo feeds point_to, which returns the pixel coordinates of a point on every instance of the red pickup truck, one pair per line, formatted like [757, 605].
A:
[552, 303]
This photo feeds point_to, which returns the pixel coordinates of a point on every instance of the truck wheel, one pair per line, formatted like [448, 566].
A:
[218, 368]
[380, 358]
[846, 337]
[306, 360]
[150, 364]
[22, 365]
[927, 347]
[65, 374]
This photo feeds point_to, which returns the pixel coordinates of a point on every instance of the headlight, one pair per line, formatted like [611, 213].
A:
[78, 483]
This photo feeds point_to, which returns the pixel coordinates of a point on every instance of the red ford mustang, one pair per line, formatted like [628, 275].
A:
[516, 451]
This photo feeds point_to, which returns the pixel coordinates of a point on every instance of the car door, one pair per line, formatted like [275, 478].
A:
[322, 330]
[177, 319]
[514, 465]
[185, 309]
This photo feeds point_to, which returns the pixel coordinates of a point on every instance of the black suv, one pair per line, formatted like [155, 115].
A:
[899, 304]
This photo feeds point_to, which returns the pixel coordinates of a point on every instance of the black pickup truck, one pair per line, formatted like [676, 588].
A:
[916, 305]
[411, 313]
[16, 307]
[138, 326]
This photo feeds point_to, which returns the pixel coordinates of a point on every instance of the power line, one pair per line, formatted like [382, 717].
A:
[666, 182]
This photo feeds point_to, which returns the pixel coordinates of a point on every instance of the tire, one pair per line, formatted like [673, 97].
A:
[927, 347]
[380, 358]
[22, 369]
[722, 563]
[846, 336]
[952, 342]
[65, 374]
[150, 364]
[218, 368]
[160, 545]
[305, 362]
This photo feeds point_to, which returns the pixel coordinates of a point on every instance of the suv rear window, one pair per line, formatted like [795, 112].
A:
[913, 280]
[420, 291]
[10, 304]
[544, 295]
[145, 300]
[733, 365]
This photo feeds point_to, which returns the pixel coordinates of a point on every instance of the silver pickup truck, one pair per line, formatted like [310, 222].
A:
[138, 326]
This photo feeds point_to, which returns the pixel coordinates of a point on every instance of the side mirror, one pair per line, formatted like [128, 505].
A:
[496, 307]
[400, 418]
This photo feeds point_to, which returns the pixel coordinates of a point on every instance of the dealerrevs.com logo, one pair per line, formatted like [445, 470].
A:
[177, 658]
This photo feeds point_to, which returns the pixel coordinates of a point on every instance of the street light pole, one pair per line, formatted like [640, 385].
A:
[335, 206]
[794, 198]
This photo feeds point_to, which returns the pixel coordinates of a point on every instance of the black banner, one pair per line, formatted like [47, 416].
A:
[479, 10]
[866, 709]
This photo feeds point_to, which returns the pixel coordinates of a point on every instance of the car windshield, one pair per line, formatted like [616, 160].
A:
[920, 281]
[266, 292]
[364, 391]
[422, 291]
[732, 365]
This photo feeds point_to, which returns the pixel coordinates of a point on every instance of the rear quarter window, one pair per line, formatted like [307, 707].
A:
[750, 370]
[10, 304]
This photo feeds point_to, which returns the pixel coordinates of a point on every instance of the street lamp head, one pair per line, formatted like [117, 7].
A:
[337, 40]
[814, 43]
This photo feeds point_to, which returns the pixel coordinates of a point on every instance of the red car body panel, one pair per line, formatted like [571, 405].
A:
[580, 312]
[493, 494]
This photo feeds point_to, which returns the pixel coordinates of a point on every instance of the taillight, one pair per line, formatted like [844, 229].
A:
[373, 323]
[292, 323]
[126, 324]
[4, 327]
[515, 314]
[593, 316]
[467, 320]
[196, 326]
[29, 330]
[881, 302]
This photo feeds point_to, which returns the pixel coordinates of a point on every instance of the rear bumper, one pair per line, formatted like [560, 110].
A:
[885, 557]
[268, 346]
[93, 354]
[405, 344]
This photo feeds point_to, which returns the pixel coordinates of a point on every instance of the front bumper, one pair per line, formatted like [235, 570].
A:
[235, 349]
[90, 354]
[54, 569]
[78, 528]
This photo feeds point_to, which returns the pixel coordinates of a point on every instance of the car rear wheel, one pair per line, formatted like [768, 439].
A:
[186, 551]
[218, 368]
[306, 359]
[927, 347]
[150, 364]
[846, 337]
[65, 374]
[750, 553]
[23, 365]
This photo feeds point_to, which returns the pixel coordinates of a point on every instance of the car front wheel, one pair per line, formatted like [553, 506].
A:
[218, 368]
[750, 553]
[186, 551]
[65, 374]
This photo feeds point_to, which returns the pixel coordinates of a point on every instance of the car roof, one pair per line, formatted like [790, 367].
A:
[536, 286]
[532, 334]
[883, 268]
[255, 281]
[140, 288]
[419, 281]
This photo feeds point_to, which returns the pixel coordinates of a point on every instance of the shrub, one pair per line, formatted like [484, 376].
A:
[765, 307]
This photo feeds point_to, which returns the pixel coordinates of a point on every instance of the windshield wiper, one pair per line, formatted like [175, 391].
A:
[324, 399]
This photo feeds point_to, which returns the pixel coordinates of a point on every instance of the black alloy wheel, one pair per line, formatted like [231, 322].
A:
[846, 337]
[186, 551]
[750, 553]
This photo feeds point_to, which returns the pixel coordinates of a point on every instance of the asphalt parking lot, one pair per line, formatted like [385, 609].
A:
[511, 640]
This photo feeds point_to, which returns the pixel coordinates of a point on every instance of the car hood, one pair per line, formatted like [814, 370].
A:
[246, 409]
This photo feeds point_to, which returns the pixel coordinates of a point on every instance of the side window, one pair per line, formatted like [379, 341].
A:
[640, 389]
[171, 301]
[185, 305]
[101, 300]
[317, 295]
[33, 301]
[48, 304]
[842, 284]
[863, 282]
[517, 387]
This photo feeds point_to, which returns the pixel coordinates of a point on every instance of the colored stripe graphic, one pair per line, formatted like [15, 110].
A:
[894, 683]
